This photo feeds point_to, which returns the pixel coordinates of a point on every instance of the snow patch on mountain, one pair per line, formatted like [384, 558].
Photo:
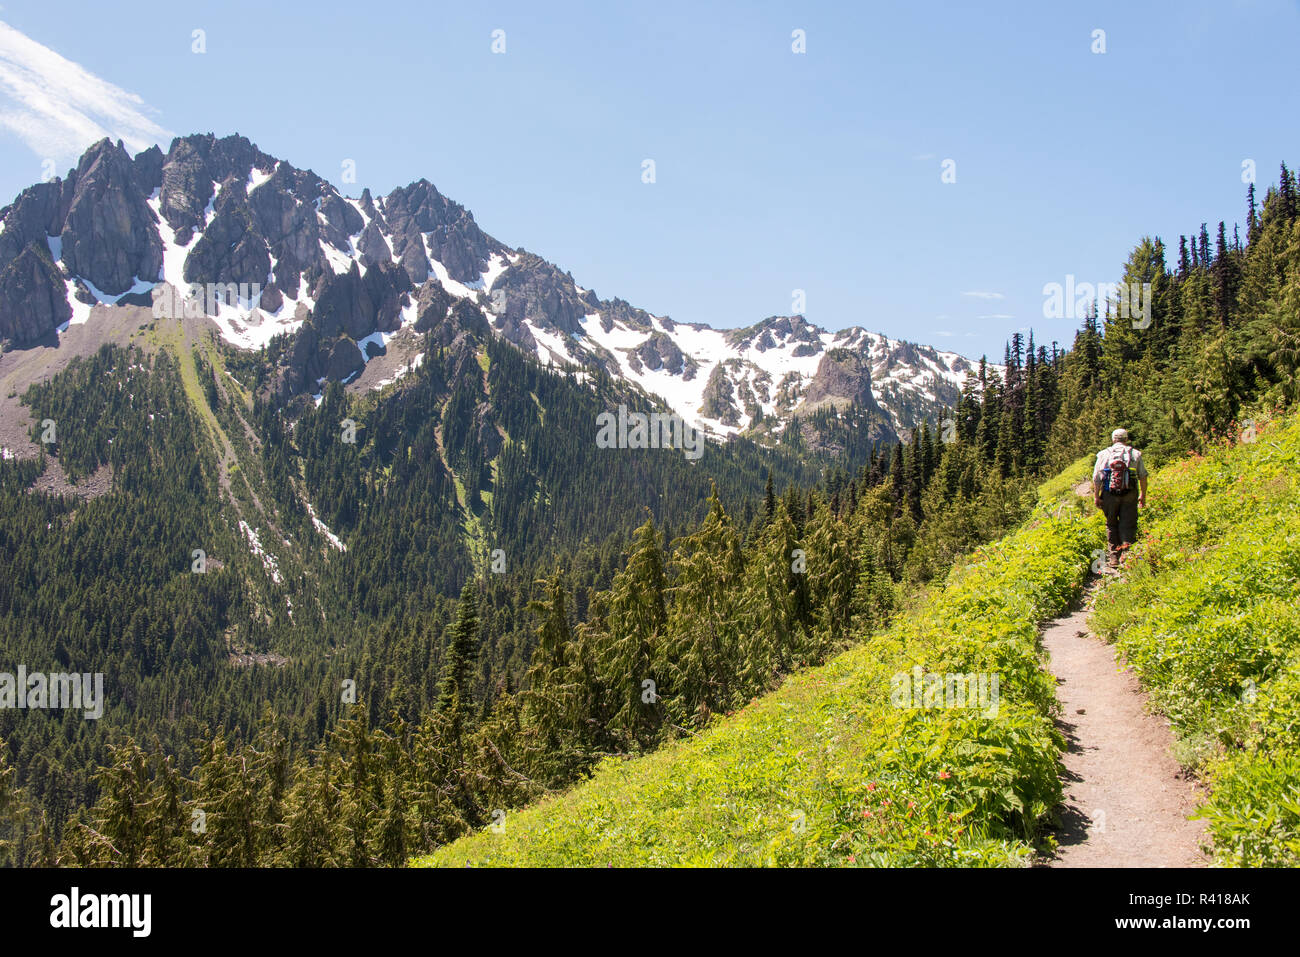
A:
[551, 349]
[324, 530]
[257, 177]
[255, 546]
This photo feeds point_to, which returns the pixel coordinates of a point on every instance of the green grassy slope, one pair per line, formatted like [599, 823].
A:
[1209, 617]
[830, 769]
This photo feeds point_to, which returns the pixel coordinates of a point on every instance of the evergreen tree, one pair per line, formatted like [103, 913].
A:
[455, 698]
[636, 618]
[1251, 214]
[552, 708]
[702, 650]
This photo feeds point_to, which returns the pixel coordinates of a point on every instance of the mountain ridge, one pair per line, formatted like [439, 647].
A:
[351, 278]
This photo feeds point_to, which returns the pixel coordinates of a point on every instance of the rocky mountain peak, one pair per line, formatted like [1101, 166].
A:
[346, 277]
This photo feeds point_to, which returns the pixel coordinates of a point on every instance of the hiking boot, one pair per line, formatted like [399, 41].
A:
[1112, 559]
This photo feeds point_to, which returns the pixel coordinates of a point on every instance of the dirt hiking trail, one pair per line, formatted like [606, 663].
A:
[1127, 800]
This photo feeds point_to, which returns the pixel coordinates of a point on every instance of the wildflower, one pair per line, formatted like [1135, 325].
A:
[944, 775]
[871, 786]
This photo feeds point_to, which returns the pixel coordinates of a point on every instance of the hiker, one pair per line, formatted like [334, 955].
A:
[1119, 484]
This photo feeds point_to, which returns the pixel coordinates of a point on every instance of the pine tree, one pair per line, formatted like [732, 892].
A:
[1032, 438]
[237, 794]
[898, 475]
[456, 695]
[913, 474]
[968, 409]
[1224, 279]
[773, 592]
[637, 616]
[117, 834]
[549, 699]
[313, 829]
[1287, 193]
[832, 580]
[990, 418]
[873, 597]
[1252, 224]
[702, 650]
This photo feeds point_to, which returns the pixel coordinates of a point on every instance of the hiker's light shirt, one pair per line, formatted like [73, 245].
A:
[1132, 456]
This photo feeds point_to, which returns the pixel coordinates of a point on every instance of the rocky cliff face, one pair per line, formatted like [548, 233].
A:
[843, 377]
[343, 276]
[424, 224]
[95, 223]
[533, 293]
[33, 297]
[107, 236]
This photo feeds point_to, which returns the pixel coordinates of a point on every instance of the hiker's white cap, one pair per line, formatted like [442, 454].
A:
[1119, 435]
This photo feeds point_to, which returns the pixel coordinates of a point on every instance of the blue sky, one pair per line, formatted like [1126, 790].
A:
[775, 171]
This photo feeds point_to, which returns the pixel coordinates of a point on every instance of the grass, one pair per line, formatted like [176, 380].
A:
[828, 770]
[169, 334]
[1057, 490]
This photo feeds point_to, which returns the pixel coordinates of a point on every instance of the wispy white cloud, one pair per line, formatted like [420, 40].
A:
[58, 108]
[997, 315]
[981, 294]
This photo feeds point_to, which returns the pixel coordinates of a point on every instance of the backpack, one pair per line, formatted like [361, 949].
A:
[1116, 476]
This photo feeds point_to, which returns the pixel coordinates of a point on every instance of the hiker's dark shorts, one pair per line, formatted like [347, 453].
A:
[1121, 513]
